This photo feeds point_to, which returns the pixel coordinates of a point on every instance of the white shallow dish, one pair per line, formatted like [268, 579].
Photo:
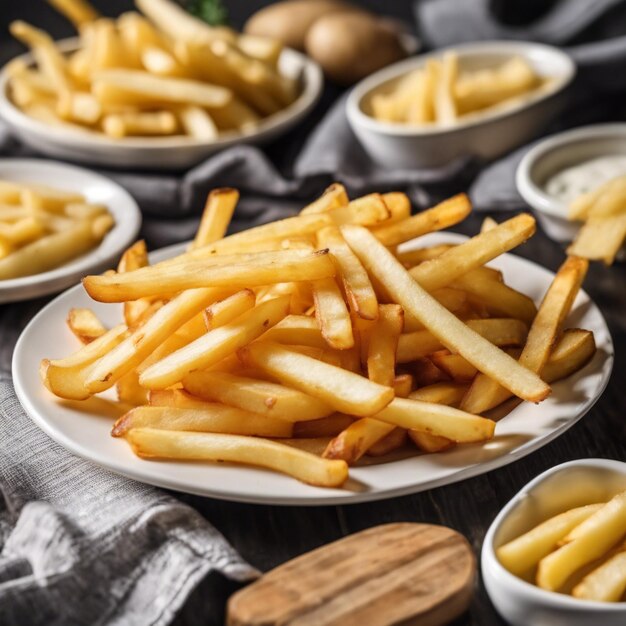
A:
[526, 428]
[555, 154]
[95, 188]
[487, 135]
[563, 487]
[162, 153]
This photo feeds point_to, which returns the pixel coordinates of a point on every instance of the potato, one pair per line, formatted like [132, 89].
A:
[290, 21]
[342, 43]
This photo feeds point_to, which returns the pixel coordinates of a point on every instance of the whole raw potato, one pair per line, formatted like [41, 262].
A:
[290, 21]
[350, 46]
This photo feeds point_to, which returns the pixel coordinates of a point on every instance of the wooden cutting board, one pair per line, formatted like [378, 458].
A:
[416, 574]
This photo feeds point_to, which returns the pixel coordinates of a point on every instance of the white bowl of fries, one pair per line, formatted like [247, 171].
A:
[58, 222]
[590, 210]
[554, 555]
[477, 99]
[162, 91]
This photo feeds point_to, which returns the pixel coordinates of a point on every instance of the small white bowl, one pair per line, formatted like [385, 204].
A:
[96, 189]
[555, 154]
[162, 153]
[486, 135]
[565, 486]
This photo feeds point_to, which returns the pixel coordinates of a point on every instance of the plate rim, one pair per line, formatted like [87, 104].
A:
[467, 471]
[47, 282]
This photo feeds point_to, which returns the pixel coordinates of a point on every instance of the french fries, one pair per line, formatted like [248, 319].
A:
[42, 228]
[169, 74]
[561, 550]
[313, 331]
[603, 212]
[440, 93]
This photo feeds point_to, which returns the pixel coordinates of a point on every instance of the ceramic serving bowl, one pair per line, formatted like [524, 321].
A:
[486, 135]
[561, 488]
[555, 154]
[163, 153]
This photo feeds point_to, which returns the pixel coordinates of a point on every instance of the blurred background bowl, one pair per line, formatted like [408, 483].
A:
[487, 135]
[163, 153]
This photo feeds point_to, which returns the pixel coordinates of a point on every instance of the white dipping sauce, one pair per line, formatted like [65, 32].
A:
[572, 182]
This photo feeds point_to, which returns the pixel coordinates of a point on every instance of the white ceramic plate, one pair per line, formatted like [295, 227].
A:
[525, 429]
[163, 153]
[96, 189]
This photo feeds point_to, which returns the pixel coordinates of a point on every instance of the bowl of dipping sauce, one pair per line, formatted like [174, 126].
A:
[583, 486]
[477, 99]
[565, 166]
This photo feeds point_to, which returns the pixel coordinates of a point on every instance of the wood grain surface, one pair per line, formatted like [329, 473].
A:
[403, 573]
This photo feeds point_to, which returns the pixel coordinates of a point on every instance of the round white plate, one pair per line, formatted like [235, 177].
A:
[162, 153]
[96, 189]
[526, 428]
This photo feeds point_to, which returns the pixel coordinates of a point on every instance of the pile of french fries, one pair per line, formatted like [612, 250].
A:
[304, 344]
[603, 212]
[558, 553]
[439, 93]
[42, 228]
[164, 74]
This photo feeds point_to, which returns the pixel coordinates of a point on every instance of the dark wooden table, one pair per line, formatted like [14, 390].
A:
[267, 536]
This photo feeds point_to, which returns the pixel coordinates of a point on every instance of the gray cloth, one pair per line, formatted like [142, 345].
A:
[80, 545]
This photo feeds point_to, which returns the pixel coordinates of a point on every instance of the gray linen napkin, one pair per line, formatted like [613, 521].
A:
[80, 545]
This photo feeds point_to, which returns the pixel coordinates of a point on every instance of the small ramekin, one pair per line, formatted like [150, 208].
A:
[487, 136]
[565, 486]
[554, 154]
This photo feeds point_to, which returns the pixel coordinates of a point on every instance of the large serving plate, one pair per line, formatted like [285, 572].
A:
[96, 189]
[527, 428]
[161, 153]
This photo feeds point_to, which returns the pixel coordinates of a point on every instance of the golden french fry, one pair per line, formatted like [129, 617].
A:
[573, 351]
[120, 125]
[332, 198]
[600, 238]
[499, 299]
[521, 554]
[485, 393]
[359, 437]
[131, 352]
[47, 198]
[49, 252]
[402, 385]
[79, 12]
[134, 87]
[381, 354]
[298, 330]
[204, 417]
[500, 332]
[450, 330]
[153, 443]
[595, 536]
[224, 311]
[473, 253]
[85, 325]
[197, 123]
[215, 345]
[156, 281]
[445, 214]
[218, 212]
[257, 396]
[343, 390]
[66, 377]
[488, 224]
[332, 314]
[356, 282]
[606, 583]
[129, 391]
[445, 105]
[22, 231]
[366, 211]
